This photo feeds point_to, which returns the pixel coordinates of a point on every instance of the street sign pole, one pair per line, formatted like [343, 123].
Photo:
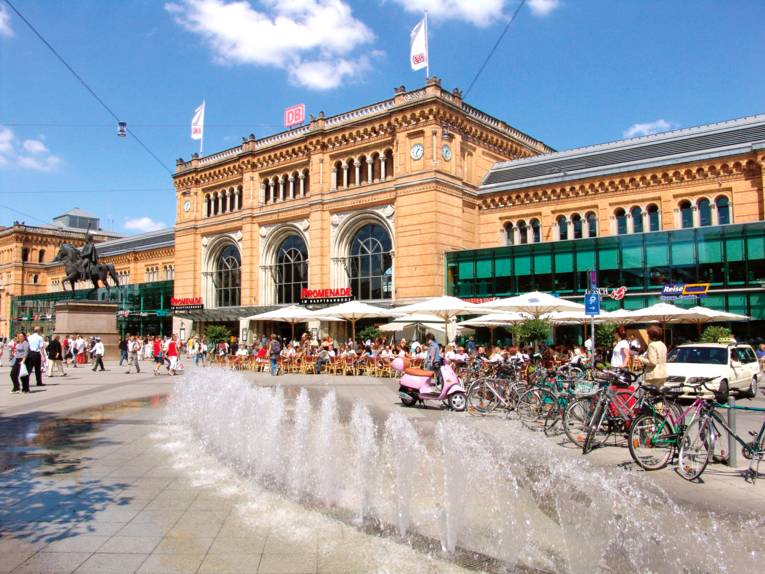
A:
[594, 290]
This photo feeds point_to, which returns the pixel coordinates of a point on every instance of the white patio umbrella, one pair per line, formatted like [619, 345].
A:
[575, 317]
[534, 303]
[622, 317]
[292, 315]
[663, 313]
[706, 315]
[446, 308]
[353, 311]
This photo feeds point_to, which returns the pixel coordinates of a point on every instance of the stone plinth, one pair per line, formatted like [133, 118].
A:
[89, 319]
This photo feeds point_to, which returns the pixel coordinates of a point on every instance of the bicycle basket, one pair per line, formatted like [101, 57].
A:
[585, 388]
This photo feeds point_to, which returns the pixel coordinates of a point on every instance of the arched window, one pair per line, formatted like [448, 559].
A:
[592, 224]
[41, 256]
[705, 212]
[653, 217]
[562, 227]
[686, 214]
[227, 277]
[24, 254]
[723, 210]
[536, 231]
[523, 232]
[621, 221]
[509, 233]
[576, 223]
[637, 219]
[291, 269]
[370, 263]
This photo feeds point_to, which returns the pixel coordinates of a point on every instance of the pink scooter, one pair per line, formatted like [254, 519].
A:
[418, 385]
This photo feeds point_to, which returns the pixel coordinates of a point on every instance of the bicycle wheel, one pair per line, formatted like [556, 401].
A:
[597, 427]
[651, 441]
[695, 449]
[553, 423]
[576, 418]
[533, 406]
[481, 399]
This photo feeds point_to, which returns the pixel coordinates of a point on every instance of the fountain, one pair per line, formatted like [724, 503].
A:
[486, 495]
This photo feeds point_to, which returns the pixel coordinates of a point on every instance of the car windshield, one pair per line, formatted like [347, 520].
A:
[704, 355]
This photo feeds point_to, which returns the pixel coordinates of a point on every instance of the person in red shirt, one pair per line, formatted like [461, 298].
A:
[172, 354]
[156, 351]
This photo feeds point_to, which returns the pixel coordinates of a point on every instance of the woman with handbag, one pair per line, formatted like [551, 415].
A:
[655, 358]
[19, 369]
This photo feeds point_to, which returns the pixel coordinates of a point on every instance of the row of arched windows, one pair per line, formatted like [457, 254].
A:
[151, 274]
[362, 170]
[520, 232]
[636, 219]
[286, 186]
[703, 212]
[575, 226]
[223, 201]
[25, 255]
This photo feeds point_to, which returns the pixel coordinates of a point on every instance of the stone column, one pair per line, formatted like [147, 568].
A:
[569, 229]
[357, 165]
[585, 227]
[516, 235]
[272, 186]
[370, 167]
[281, 188]
[332, 182]
[646, 220]
[301, 177]
[345, 175]
[208, 211]
[696, 216]
[630, 222]
[678, 218]
[292, 186]
[714, 216]
[382, 166]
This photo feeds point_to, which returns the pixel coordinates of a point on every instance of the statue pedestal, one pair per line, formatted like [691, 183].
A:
[90, 319]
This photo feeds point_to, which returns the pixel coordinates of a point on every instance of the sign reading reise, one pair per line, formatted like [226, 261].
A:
[313, 296]
[186, 304]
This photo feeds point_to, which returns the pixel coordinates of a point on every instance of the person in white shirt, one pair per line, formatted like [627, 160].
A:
[98, 353]
[620, 356]
[496, 355]
[134, 347]
[34, 358]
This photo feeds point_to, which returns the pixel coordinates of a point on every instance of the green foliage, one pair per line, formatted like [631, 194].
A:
[370, 333]
[215, 334]
[715, 334]
[532, 331]
[604, 335]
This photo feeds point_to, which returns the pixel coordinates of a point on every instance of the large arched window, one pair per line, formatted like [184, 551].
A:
[653, 217]
[686, 214]
[637, 219]
[523, 232]
[227, 277]
[509, 233]
[576, 223]
[536, 231]
[370, 263]
[705, 212]
[562, 228]
[291, 269]
[723, 210]
[592, 224]
[621, 221]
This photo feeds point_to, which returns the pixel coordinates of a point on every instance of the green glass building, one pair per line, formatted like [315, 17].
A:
[144, 308]
[731, 258]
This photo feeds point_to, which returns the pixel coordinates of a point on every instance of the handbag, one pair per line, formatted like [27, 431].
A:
[23, 371]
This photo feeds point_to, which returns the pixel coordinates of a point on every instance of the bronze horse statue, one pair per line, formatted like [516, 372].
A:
[78, 269]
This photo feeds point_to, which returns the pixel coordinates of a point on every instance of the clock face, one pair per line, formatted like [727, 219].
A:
[186, 206]
[446, 152]
[417, 151]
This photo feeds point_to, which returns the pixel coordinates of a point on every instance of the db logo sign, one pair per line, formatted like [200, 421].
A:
[294, 115]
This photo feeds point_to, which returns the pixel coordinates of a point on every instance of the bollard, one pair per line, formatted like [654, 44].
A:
[732, 445]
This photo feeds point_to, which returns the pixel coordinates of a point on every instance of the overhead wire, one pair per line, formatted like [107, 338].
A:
[494, 48]
[85, 84]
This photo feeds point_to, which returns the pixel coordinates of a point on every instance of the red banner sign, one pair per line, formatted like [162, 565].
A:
[294, 115]
[186, 304]
[340, 295]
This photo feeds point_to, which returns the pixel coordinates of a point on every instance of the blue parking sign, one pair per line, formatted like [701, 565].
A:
[592, 304]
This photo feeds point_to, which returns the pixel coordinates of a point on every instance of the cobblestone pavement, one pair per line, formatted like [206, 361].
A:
[102, 489]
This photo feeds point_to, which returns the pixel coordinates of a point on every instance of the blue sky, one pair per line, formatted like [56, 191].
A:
[569, 72]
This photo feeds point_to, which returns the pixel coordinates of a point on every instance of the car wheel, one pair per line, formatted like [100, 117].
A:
[751, 392]
[723, 391]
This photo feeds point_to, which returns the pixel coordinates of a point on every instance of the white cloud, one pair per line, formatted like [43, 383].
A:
[316, 41]
[144, 224]
[29, 154]
[5, 22]
[648, 128]
[542, 7]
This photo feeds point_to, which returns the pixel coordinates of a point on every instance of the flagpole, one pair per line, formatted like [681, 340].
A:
[202, 139]
[427, 48]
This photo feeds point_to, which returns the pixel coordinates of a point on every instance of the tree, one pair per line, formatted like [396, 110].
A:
[370, 333]
[715, 334]
[216, 334]
[532, 331]
[604, 335]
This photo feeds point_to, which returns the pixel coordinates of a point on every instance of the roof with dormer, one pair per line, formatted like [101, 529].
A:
[728, 138]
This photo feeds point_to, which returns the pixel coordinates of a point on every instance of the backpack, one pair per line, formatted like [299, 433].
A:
[276, 347]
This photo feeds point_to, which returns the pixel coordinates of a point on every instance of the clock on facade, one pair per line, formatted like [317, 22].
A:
[446, 152]
[417, 151]
[186, 206]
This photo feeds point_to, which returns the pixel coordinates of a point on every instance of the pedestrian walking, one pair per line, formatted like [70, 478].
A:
[655, 358]
[134, 347]
[123, 347]
[203, 352]
[34, 359]
[19, 369]
[79, 346]
[55, 357]
[157, 353]
[98, 354]
[274, 350]
[172, 354]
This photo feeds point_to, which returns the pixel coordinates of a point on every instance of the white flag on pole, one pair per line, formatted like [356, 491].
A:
[198, 123]
[418, 45]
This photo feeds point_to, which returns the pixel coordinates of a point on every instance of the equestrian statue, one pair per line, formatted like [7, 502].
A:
[83, 265]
